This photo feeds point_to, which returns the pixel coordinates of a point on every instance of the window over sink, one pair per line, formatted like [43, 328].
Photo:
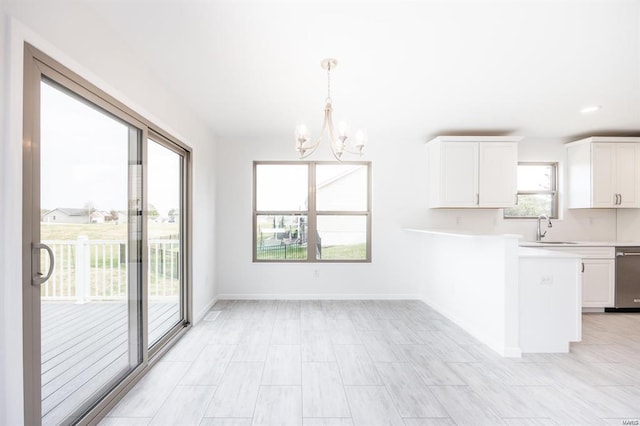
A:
[537, 191]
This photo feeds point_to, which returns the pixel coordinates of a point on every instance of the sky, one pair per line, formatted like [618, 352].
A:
[84, 158]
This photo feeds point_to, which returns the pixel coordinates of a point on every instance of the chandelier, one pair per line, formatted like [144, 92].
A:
[340, 141]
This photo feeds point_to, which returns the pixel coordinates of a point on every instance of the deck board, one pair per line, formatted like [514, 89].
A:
[84, 346]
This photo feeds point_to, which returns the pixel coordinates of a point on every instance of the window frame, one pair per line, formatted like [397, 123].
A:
[311, 213]
[553, 192]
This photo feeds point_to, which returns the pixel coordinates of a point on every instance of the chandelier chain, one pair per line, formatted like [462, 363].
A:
[328, 84]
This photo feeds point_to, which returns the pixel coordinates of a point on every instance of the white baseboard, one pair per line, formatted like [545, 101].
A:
[592, 310]
[199, 315]
[336, 296]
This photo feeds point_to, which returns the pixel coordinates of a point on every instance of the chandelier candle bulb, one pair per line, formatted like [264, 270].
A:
[339, 144]
[343, 129]
[361, 140]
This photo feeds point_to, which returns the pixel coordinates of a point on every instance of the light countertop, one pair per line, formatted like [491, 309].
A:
[540, 253]
[462, 234]
[581, 244]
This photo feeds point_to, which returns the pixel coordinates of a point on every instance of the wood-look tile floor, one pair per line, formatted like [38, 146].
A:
[369, 363]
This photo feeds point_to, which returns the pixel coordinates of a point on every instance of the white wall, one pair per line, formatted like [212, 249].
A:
[399, 200]
[74, 35]
[398, 182]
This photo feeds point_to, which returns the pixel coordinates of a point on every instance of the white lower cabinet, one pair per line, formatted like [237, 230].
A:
[598, 283]
[598, 274]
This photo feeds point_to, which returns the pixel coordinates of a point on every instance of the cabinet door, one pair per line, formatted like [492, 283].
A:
[498, 174]
[626, 161]
[459, 178]
[598, 281]
[603, 175]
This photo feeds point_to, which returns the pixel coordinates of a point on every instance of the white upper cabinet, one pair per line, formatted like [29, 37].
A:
[473, 171]
[604, 172]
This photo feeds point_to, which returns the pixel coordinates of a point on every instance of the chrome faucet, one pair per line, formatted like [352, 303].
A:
[539, 234]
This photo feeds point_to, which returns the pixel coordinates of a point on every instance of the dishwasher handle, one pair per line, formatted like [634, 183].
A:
[627, 253]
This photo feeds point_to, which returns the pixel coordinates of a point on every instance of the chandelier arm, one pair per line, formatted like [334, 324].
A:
[332, 141]
[307, 152]
[337, 157]
[351, 151]
[311, 148]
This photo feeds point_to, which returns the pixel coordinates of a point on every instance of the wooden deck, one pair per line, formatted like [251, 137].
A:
[85, 347]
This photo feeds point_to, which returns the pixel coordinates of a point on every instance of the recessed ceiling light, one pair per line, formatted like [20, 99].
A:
[591, 109]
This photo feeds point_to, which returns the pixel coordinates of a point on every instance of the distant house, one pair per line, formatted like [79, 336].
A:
[174, 216]
[66, 215]
[98, 216]
[347, 190]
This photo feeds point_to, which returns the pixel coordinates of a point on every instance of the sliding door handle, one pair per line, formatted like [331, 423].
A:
[37, 278]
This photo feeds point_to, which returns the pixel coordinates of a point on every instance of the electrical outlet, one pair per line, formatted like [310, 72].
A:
[458, 220]
[316, 273]
[546, 280]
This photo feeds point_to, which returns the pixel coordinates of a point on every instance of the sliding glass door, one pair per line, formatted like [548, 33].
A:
[165, 224]
[90, 202]
[104, 245]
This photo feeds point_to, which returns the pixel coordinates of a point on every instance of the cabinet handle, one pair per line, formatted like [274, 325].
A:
[582, 267]
[477, 199]
[620, 199]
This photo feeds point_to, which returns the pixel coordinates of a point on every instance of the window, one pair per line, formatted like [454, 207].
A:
[537, 191]
[312, 212]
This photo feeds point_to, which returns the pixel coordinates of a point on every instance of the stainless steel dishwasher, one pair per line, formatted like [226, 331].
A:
[627, 277]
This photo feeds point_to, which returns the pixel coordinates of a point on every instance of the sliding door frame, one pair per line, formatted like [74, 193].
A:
[185, 232]
[39, 66]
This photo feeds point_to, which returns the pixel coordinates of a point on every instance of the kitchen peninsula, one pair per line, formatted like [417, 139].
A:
[514, 299]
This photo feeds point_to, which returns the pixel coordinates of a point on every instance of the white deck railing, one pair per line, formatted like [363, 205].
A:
[88, 270]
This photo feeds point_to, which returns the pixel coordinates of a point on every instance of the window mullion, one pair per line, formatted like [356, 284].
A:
[312, 222]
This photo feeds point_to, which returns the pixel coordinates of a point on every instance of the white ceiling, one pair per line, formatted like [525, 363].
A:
[413, 69]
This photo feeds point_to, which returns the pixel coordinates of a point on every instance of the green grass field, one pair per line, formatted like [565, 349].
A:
[102, 231]
[295, 252]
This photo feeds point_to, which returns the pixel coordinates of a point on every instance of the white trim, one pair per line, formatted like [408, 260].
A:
[329, 296]
[476, 139]
[592, 310]
[11, 167]
[204, 311]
